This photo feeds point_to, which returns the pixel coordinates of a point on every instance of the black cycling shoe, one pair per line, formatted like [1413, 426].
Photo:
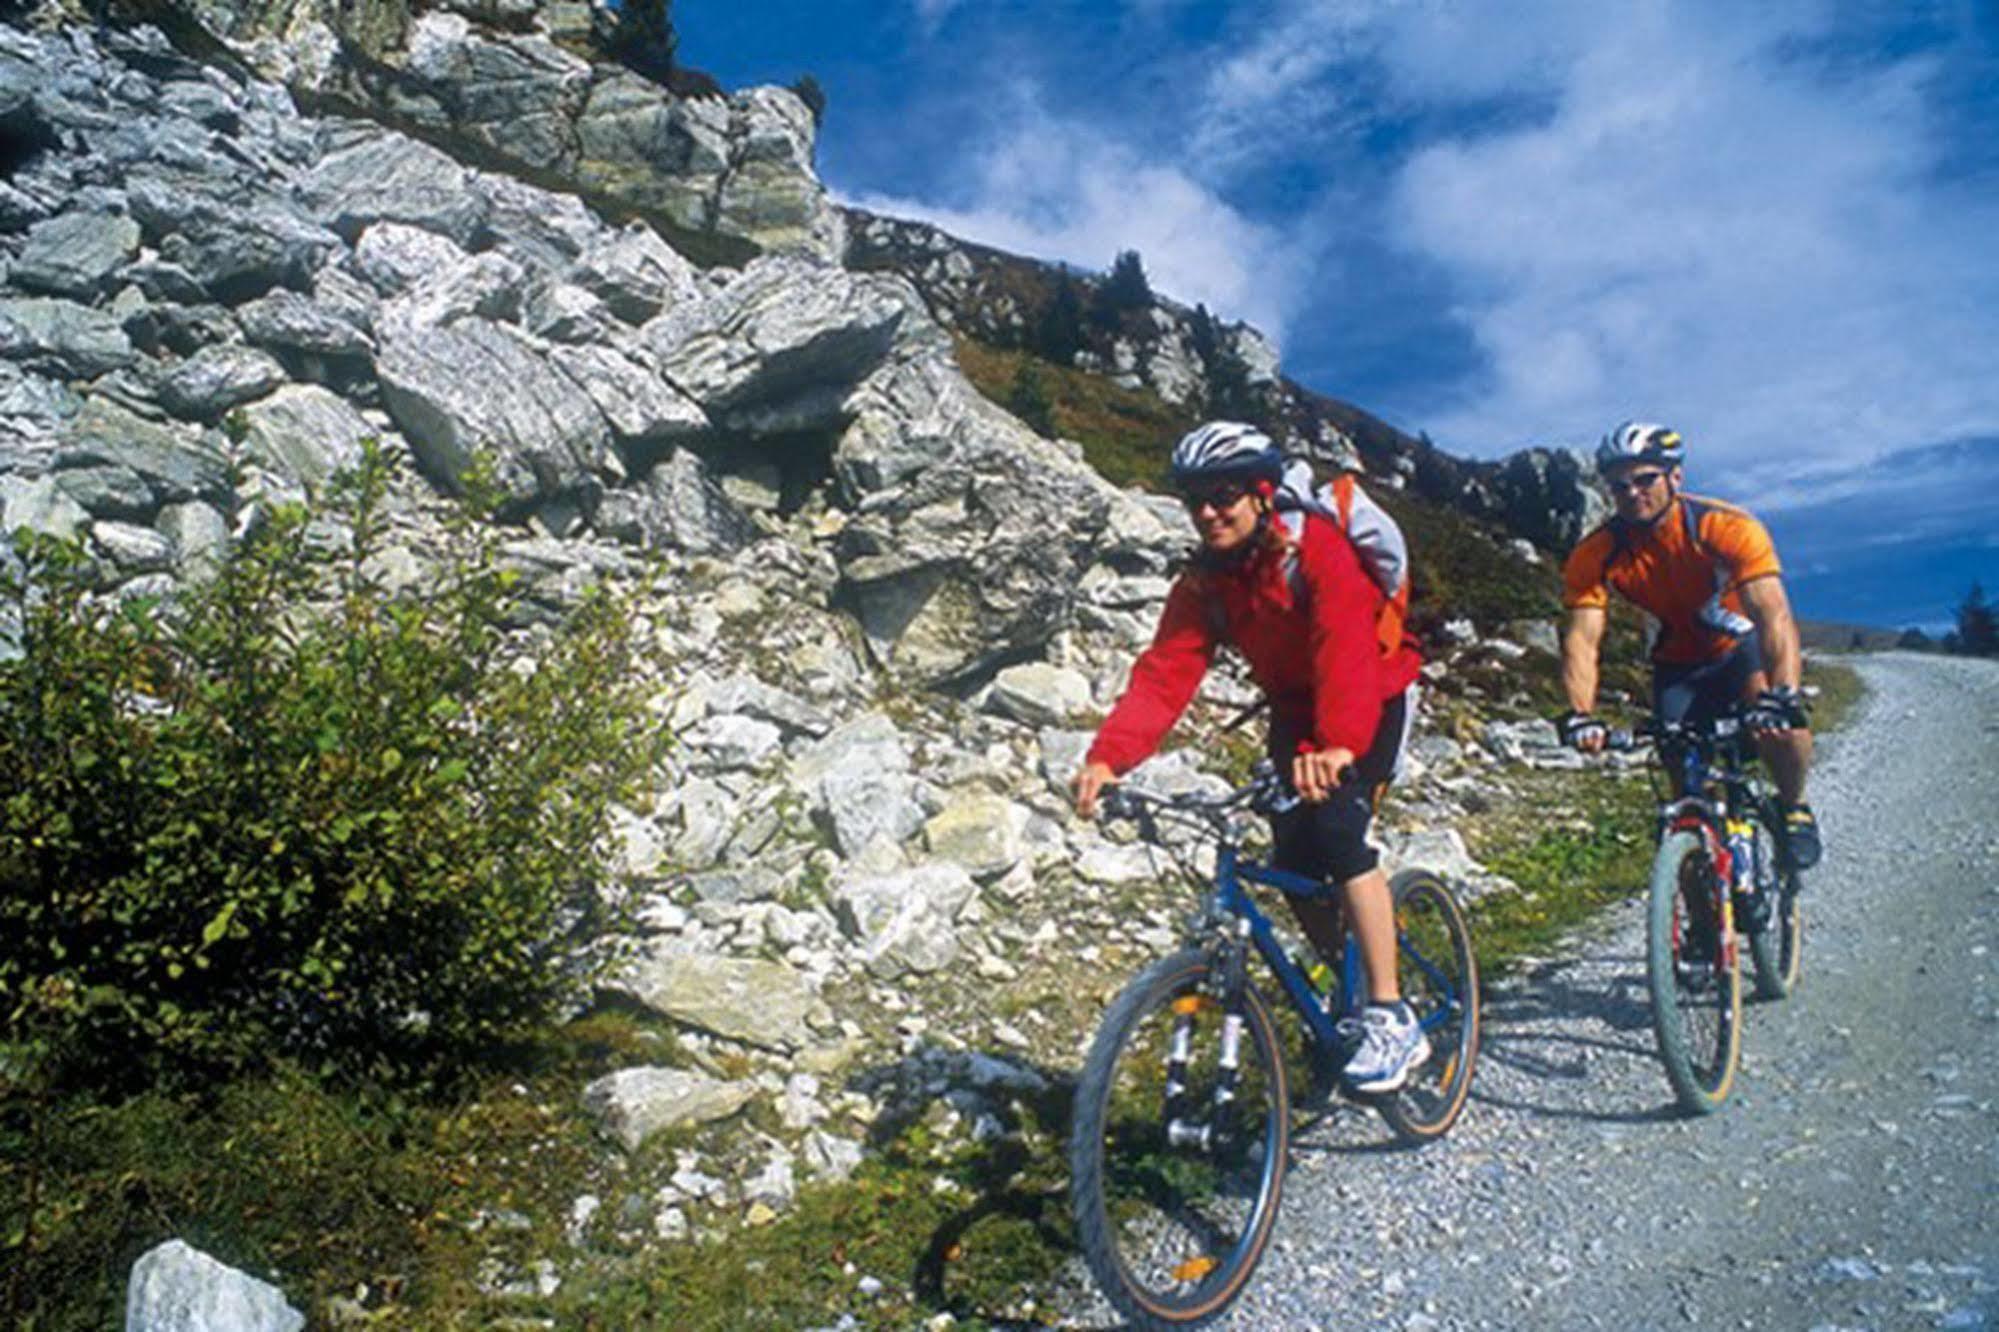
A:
[1801, 836]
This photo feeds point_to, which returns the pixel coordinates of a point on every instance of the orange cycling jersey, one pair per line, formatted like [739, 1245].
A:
[1667, 575]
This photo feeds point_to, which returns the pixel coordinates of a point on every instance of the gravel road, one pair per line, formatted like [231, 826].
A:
[1850, 1183]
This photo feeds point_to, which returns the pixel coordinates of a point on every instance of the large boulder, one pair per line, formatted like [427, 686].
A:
[305, 433]
[75, 254]
[969, 550]
[217, 378]
[370, 176]
[476, 386]
[677, 505]
[785, 342]
[66, 339]
[177, 463]
[230, 242]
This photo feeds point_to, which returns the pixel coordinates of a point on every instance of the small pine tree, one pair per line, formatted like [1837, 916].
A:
[1058, 334]
[1126, 288]
[641, 38]
[1914, 640]
[1977, 626]
[814, 97]
[1028, 398]
[1205, 337]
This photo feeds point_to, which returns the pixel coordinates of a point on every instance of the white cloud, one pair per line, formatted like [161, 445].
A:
[930, 14]
[1705, 234]
[1063, 190]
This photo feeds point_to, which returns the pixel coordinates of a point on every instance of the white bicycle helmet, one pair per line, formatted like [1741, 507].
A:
[1223, 450]
[1640, 441]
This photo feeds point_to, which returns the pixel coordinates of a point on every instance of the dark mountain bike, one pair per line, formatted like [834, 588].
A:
[1182, 1120]
[1721, 876]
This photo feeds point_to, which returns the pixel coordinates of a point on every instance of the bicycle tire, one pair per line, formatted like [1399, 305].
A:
[1778, 947]
[1696, 1011]
[1438, 973]
[1172, 1232]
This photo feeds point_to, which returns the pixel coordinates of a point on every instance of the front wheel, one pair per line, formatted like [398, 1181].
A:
[1176, 1160]
[1777, 940]
[1438, 973]
[1694, 974]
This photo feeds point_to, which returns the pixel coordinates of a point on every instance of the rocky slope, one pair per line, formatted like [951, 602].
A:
[885, 612]
[1209, 367]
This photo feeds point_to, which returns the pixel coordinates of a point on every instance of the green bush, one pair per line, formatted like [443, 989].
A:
[361, 831]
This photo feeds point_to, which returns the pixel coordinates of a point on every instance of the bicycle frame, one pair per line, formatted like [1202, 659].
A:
[1233, 904]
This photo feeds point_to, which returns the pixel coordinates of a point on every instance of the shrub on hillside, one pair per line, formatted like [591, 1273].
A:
[363, 830]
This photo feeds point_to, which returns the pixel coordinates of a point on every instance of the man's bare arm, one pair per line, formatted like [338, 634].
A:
[1582, 640]
[1777, 633]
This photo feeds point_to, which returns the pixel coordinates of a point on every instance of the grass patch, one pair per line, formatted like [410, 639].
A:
[1575, 843]
[1840, 690]
[1126, 434]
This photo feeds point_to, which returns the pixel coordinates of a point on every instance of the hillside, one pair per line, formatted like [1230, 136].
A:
[520, 405]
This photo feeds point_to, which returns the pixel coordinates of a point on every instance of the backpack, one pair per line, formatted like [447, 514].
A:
[1383, 550]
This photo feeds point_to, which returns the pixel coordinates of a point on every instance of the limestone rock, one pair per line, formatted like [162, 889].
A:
[206, 385]
[1039, 694]
[74, 254]
[74, 341]
[760, 1003]
[980, 833]
[177, 1288]
[905, 922]
[386, 177]
[635, 1103]
[785, 332]
[306, 433]
[476, 385]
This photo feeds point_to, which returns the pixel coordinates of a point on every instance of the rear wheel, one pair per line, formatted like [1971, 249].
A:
[1694, 974]
[1438, 973]
[1777, 944]
[1176, 1167]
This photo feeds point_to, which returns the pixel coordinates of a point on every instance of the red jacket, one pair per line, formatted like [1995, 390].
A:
[1318, 662]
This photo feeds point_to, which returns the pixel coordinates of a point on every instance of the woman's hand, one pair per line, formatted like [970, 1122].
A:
[1089, 783]
[1316, 774]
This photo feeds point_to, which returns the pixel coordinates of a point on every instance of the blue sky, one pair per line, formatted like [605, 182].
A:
[1770, 225]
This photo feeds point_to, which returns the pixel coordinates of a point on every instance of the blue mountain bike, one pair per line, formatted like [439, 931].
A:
[1182, 1121]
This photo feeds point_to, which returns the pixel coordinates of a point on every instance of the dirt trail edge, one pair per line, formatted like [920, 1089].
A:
[1851, 1183]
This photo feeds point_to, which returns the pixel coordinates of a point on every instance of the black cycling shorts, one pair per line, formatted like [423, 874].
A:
[1329, 840]
[1705, 690]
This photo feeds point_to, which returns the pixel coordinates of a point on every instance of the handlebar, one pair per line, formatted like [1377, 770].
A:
[1266, 792]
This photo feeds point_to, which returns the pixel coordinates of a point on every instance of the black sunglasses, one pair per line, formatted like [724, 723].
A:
[1636, 482]
[1214, 497]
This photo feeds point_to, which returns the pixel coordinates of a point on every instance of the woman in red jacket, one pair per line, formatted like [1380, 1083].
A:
[1289, 594]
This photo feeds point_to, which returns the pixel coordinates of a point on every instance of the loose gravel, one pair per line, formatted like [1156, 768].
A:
[1850, 1182]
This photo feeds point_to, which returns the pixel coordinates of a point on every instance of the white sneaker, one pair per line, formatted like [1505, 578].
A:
[1392, 1043]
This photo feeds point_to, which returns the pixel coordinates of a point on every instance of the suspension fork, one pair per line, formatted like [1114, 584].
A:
[1216, 1130]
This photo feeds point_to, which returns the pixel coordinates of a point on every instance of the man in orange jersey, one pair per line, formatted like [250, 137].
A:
[1706, 571]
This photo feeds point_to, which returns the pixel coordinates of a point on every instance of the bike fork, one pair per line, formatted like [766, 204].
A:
[1209, 1133]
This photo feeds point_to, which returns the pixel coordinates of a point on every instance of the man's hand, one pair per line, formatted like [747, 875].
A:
[1777, 710]
[1316, 774]
[1088, 785]
[1583, 731]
